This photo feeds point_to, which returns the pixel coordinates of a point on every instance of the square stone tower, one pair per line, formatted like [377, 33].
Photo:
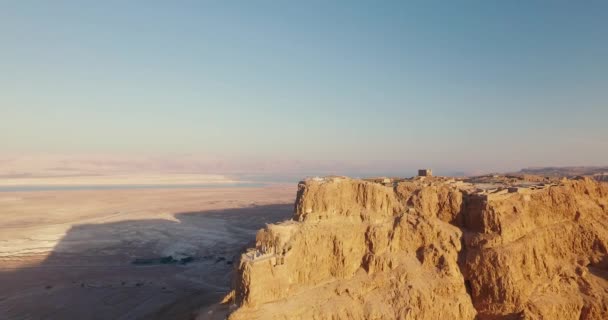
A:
[425, 172]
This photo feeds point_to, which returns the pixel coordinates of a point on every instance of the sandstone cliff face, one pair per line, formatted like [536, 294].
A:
[541, 255]
[430, 249]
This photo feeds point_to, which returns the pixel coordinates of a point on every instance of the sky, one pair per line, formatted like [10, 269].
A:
[322, 86]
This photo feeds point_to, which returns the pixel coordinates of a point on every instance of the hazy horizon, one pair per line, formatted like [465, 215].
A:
[289, 89]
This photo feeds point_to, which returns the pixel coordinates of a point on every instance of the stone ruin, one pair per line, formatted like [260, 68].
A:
[425, 172]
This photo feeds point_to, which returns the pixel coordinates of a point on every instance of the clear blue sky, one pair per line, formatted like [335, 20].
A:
[456, 85]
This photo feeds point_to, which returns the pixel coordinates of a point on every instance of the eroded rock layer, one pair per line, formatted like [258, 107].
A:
[431, 248]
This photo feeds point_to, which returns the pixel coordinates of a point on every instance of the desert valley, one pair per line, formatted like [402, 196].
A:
[127, 254]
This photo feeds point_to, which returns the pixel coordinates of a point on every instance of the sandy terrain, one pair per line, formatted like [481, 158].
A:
[118, 179]
[98, 254]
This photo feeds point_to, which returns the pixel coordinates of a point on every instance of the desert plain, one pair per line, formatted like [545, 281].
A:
[127, 253]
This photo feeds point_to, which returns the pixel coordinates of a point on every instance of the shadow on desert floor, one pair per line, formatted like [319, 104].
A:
[138, 268]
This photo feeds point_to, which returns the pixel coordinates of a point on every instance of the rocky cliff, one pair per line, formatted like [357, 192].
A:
[431, 248]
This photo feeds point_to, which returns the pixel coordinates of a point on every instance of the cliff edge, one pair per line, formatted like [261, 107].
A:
[432, 248]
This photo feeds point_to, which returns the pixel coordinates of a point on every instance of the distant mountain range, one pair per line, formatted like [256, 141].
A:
[599, 173]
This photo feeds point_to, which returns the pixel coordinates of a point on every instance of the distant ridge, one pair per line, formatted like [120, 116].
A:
[566, 171]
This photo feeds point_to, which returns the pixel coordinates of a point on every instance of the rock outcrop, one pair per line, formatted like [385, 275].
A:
[431, 248]
[541, 255]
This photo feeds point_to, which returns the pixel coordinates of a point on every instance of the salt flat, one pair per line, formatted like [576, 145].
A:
[97, 254]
